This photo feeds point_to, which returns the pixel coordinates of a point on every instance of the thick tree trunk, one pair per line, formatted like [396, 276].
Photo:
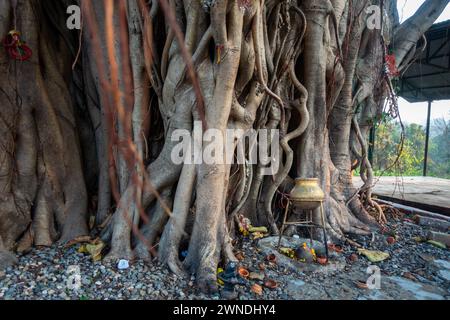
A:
[146, 70]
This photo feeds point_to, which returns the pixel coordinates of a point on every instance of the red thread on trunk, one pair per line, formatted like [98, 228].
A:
[15, 47]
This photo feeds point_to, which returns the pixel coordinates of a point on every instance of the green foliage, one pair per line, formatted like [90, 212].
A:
[388, 138]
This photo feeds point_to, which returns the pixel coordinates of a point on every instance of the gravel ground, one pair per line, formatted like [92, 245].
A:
[47, 274]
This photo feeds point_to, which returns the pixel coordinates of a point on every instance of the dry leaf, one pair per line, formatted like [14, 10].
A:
[437, 244]
[374, 256]
[94, 249]
[82, 239]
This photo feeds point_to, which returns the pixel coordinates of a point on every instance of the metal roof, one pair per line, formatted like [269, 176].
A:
[428, 78]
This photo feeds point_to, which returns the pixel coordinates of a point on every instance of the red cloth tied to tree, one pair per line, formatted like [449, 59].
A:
[391, 66]
[15, 47]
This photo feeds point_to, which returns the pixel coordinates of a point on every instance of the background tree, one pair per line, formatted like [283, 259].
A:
[389, 140]
[96, 134]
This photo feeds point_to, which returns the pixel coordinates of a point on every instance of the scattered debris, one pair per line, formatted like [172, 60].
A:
[437, 244]
[288, 252]
[246, 228]
[83, 239]
[258, 229]
[410, 276]
[439, 237]
[243, 273]
[305, 254]
[220, 271]
[41, 274]
[271, 284]
[272, 258]
[123, 264]
[240, 256]
[391, 240]
[256, 276]
[361, 285]
[374, 256]
[335, 248]
[230, 277]
[94, 249]
[257, 289]
[244, 225]
[16, 47]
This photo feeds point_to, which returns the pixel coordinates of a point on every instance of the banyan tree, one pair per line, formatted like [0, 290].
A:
[87, 117]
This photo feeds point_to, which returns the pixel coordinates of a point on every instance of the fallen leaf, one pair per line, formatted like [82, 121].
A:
[219, 272]
[94, 249]
[257, 235]
[288, 252]
[437, 244]
[83, 239]
[374, 256]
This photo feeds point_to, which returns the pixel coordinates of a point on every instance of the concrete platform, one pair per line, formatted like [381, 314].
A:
[426, 193]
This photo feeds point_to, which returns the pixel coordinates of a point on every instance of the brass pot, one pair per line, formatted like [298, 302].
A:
[307, 194]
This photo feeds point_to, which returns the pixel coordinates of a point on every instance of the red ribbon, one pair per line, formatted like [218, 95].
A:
[15, 48]
[391, 65]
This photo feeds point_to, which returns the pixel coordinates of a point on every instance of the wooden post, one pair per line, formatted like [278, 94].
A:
[427, 140]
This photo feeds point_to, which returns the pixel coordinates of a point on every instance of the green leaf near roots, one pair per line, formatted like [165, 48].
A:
[437, 244]
[374, 256]
[95, 250]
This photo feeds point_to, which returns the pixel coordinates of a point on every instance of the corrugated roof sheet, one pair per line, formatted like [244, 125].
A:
[428, 78]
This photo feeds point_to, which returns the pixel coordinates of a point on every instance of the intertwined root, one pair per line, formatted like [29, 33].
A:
[7, 259]
[302, 67]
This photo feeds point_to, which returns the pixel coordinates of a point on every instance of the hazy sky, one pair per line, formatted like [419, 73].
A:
[417, 112]
[407, 8]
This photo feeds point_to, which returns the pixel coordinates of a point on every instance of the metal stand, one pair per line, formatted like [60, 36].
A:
[306, 224]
